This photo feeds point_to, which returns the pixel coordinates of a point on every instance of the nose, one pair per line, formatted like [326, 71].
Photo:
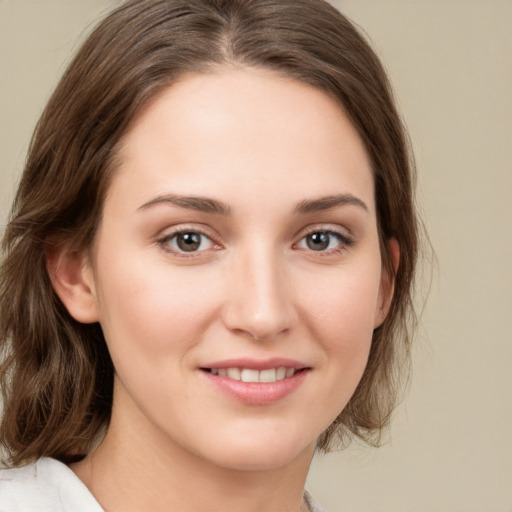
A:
[259, 296]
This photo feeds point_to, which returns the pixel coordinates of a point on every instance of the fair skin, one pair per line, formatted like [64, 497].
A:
[239, 239]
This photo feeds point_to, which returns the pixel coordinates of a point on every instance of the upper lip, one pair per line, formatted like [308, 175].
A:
[257, 364]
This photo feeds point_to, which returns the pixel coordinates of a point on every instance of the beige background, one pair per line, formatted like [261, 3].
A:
[450, 448]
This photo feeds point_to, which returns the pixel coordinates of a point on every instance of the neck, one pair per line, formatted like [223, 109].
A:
[131, 472]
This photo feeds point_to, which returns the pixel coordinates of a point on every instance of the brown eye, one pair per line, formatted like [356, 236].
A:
[325, 241]
[318, 241]
[189, 241]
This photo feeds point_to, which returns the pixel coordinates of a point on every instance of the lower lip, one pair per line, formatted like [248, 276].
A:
[258, 393]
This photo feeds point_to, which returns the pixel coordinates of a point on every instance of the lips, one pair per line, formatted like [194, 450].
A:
[252, 375]
[257, 382]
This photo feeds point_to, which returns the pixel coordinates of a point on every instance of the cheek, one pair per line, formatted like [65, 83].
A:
[341, 310]
[343, 302]
[145, 306]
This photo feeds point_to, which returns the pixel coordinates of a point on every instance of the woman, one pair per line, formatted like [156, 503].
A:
[209, 262]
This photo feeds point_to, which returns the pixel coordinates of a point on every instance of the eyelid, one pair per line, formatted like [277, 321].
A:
[326, 226]
[344, 235]
[171, 232]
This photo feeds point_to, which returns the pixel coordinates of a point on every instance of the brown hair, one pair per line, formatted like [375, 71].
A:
[56, 374]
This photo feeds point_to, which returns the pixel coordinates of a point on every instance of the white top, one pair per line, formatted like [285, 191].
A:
[50, 486]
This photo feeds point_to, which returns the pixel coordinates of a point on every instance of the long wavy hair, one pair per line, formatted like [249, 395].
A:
[56, 373]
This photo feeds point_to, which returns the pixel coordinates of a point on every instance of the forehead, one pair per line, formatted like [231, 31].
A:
[241, 133]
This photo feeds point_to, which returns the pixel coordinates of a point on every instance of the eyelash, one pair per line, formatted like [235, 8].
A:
[345, 241]
[164, 242]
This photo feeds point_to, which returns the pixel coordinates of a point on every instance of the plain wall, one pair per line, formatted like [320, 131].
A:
[450, 446]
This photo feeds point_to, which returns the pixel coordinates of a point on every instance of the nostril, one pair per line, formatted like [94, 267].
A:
[257, 302]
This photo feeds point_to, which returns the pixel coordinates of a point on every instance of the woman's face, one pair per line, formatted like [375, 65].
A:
[236, 272]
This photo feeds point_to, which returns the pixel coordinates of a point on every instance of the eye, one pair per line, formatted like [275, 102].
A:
[324, 241]
[188, 241]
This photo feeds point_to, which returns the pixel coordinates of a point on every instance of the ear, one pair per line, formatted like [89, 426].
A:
[387, 283]
[72, 279]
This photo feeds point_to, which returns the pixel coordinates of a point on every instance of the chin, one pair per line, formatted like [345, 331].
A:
[260, 453]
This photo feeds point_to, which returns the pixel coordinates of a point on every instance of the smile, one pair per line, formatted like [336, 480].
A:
[252, 375]
[255, 381]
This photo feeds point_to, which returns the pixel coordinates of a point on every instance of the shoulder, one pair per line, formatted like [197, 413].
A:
[45, 486]
[50, 486]
[312, 505]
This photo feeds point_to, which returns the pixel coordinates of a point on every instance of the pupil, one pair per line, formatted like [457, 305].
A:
[189, 241]
[318, 241]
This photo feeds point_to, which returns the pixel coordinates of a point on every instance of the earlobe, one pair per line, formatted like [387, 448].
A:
[72, 279]
[387, 284]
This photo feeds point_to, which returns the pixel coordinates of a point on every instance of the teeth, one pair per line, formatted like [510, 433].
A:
[234, 373]
[250, 375]
[268, 375]
[280, 373]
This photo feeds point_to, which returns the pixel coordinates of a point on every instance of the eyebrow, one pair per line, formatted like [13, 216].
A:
[198, 203]
[208, 205]
[328, 202]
